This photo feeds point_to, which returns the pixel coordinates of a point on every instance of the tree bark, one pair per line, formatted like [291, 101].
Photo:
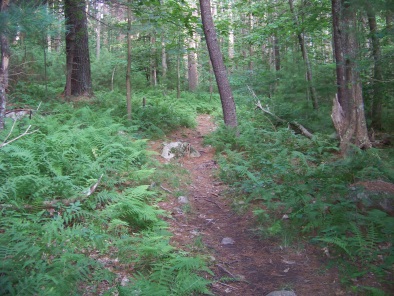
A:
[276, 53]
[348, 107]
[192, 64]
[178, 70]
[231, 38]
[377, 71]
[98, 29]
[192, 57]
[4, 62]
[128, 71]
[163, 58]
[226, 96]
[153, 63]
[78, 76]
[304, 52]
[250, 25]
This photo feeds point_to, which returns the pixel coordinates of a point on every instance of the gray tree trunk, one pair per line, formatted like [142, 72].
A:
[304, 52]
[348, 109]
[128, 71]
[226, 96]
[163, 58]
[377, 71]
[5, 58]
[192, 70]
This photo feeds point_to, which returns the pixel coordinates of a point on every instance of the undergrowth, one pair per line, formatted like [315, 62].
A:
[74, 194]
[301, 188]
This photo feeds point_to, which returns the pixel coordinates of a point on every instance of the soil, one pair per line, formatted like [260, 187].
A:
[251, 265]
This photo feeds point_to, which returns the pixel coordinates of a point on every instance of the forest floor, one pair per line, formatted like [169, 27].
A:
[256, 266]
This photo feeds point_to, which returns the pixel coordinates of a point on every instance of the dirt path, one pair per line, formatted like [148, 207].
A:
[261, 266]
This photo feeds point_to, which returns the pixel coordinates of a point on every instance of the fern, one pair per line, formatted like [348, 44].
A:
[338, 242]
[176, 276]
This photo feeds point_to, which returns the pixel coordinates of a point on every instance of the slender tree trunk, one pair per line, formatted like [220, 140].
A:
[153, 63]
[78, 81]
[178, 69]
[348, 109]
[231, 38]
[377, 75]
[304, 52]
[226, 96]
[98, 30]
[276, 53]
[389, 24]
[4, 62]
[128, 71]
[251, 23]
[192, 57]
[192, 65]
[163, 58]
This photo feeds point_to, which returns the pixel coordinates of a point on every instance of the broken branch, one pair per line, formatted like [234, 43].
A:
[292, 124]
[18, 137]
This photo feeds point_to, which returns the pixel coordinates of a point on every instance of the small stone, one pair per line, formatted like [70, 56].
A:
[281, 293]
[178, 211]
[124, 281]
[194, 232]
[183, 200]
[227, 241]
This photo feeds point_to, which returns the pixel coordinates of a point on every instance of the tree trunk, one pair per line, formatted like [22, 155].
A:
[128, 71]
[153, 63]
[231, 39]
[348, 107]
[377, 71]
[226, 96]
[163, 58]
[192, 65]
[308, 68]
[251, 23]
[389, 24]
[98, 29]
[192, 57]
[78, 81]
[276, 53]
[178, 69]
[5, 58]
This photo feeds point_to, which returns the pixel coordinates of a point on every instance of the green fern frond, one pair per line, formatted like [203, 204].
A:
[336, 241]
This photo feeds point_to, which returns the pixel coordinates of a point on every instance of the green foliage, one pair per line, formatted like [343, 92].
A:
[53, 228]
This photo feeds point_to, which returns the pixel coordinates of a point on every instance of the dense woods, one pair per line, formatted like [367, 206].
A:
[307, 86]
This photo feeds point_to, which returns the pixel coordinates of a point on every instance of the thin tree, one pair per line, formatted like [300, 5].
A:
[78, 76]
[377, 90]
[226, 96]
[128, 71]
[348, 109]
[305, 57]
[5, 58]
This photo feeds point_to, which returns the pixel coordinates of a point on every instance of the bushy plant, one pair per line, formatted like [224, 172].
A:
[72, 190]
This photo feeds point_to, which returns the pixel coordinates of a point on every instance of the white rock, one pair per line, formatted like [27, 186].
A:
[281, 293]
[178, 149]
[227, 241]
[124, 281]
[183, 200]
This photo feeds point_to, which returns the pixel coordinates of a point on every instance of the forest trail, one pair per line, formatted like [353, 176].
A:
[260, 266]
